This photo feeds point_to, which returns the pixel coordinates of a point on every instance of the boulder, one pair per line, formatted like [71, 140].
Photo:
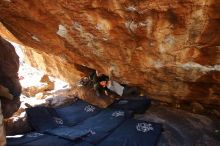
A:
[168, 48]
[9, 65]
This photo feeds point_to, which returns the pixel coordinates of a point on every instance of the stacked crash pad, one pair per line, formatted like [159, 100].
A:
[82, 124]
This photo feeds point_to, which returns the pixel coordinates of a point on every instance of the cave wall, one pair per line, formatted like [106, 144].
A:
[169, 48]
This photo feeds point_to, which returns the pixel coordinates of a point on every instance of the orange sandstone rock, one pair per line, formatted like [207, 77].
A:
[168, 48]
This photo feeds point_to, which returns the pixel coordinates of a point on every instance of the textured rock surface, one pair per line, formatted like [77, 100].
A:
[89, 95]
[9, 65]
[169, 48]
[182, 128]
[52, 65]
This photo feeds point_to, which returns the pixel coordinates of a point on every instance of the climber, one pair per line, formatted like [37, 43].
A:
[102, 84]
[122, 90]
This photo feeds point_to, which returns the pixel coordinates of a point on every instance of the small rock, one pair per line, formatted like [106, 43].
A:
[45, 79]
[39, 95]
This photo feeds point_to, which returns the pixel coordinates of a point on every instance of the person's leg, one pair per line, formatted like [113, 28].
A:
[2, 130]
[130, 91]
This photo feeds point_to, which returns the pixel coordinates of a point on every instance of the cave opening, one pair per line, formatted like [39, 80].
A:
[36, 84]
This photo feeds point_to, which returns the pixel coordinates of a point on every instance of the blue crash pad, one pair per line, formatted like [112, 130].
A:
[41, 119]
[134, 133]
[37, 139]
[94, 128]
[76, 112]
[82, 124]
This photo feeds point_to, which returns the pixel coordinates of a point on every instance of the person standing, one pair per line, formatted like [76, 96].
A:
[4, 93]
